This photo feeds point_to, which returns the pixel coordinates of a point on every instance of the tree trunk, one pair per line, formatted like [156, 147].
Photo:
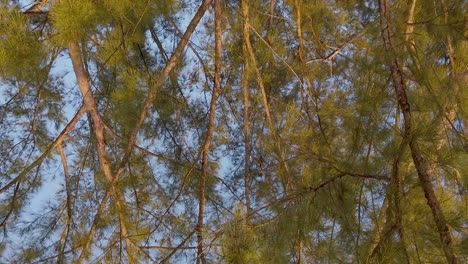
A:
[209, 133]
[98, 130]
[246, 103]
[422, 168]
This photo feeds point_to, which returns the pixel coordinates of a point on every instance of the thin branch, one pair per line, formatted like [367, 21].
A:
[337, 51]
[192, 48]
[12, 205]
[37, 7]
[46, 153]
[260, 82]
[160, 81]
[178, 247]
[274, 52]
[159, 44]
[92, 230]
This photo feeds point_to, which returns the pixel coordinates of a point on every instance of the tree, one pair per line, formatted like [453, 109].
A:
[233, 131]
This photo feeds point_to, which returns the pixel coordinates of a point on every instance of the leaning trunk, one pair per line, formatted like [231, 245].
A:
[423, 170]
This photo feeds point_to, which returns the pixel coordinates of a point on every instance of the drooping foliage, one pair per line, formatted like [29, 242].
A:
[332, 131]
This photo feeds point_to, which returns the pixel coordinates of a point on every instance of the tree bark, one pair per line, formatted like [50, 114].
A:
[245, 91]
[64, 236]
[90, 106]
[209, 133]
[422, 167]
[98, 129]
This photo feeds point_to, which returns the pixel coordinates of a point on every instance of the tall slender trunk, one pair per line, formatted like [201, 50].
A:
[448, 112]
[90, 106]
[64, 236]
[422, 167]
[287, 185]
[98, 130]
[395, 191]
[246, 103]
[378, 232]
[209, 133]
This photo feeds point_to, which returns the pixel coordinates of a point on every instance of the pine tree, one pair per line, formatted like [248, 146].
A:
[233, 131]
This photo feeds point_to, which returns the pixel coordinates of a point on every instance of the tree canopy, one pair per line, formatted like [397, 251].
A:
[234, 131]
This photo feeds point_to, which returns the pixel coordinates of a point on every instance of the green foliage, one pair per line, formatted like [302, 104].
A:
[74, 21]
[22, 54]
[322, 177]
[239, 241]
[126, 99]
